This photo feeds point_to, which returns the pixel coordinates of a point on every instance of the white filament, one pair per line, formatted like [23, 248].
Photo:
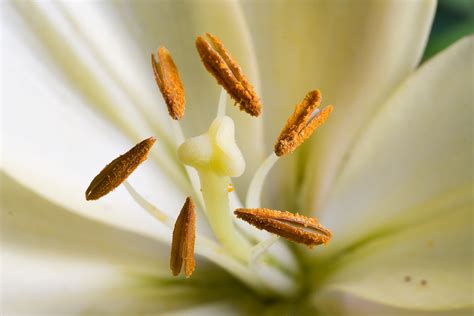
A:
[222, 103]
[259, 249]
[147, 206]
[177, 133]
[254, 192]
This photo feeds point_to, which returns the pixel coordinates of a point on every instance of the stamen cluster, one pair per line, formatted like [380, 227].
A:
[222, 161]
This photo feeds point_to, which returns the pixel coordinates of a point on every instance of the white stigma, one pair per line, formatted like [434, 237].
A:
[214, 150]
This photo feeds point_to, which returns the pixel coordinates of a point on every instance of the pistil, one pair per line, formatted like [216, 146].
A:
[216, 199]
[216, 157]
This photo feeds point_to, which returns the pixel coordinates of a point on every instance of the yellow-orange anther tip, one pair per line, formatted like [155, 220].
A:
[169, 82]
[184, 235]
[295, 227]
[119, 169]
[302, 123]
[228, 73]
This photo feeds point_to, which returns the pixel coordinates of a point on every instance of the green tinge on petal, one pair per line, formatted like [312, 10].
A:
[346, 304]
[426, 267]
[204, 310]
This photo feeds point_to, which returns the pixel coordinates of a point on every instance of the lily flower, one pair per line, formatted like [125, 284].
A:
[388, 176]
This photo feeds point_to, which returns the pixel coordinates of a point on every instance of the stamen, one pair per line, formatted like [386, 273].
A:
[216, 157]
[294, 227]
[169, 82]
[228, 73]
[119, 169]
[184, 235]
[302, 123]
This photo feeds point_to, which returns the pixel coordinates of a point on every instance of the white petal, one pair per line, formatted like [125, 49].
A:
[425, 267]
[354, 52]
[56, 286]
[54, 141]
[48, 33]
[55, 262]
[414, 160]
[33, 224]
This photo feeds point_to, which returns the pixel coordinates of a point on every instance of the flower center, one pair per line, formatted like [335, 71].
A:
[258, 258]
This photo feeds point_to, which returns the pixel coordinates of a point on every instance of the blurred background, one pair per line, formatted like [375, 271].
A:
[453, 20]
